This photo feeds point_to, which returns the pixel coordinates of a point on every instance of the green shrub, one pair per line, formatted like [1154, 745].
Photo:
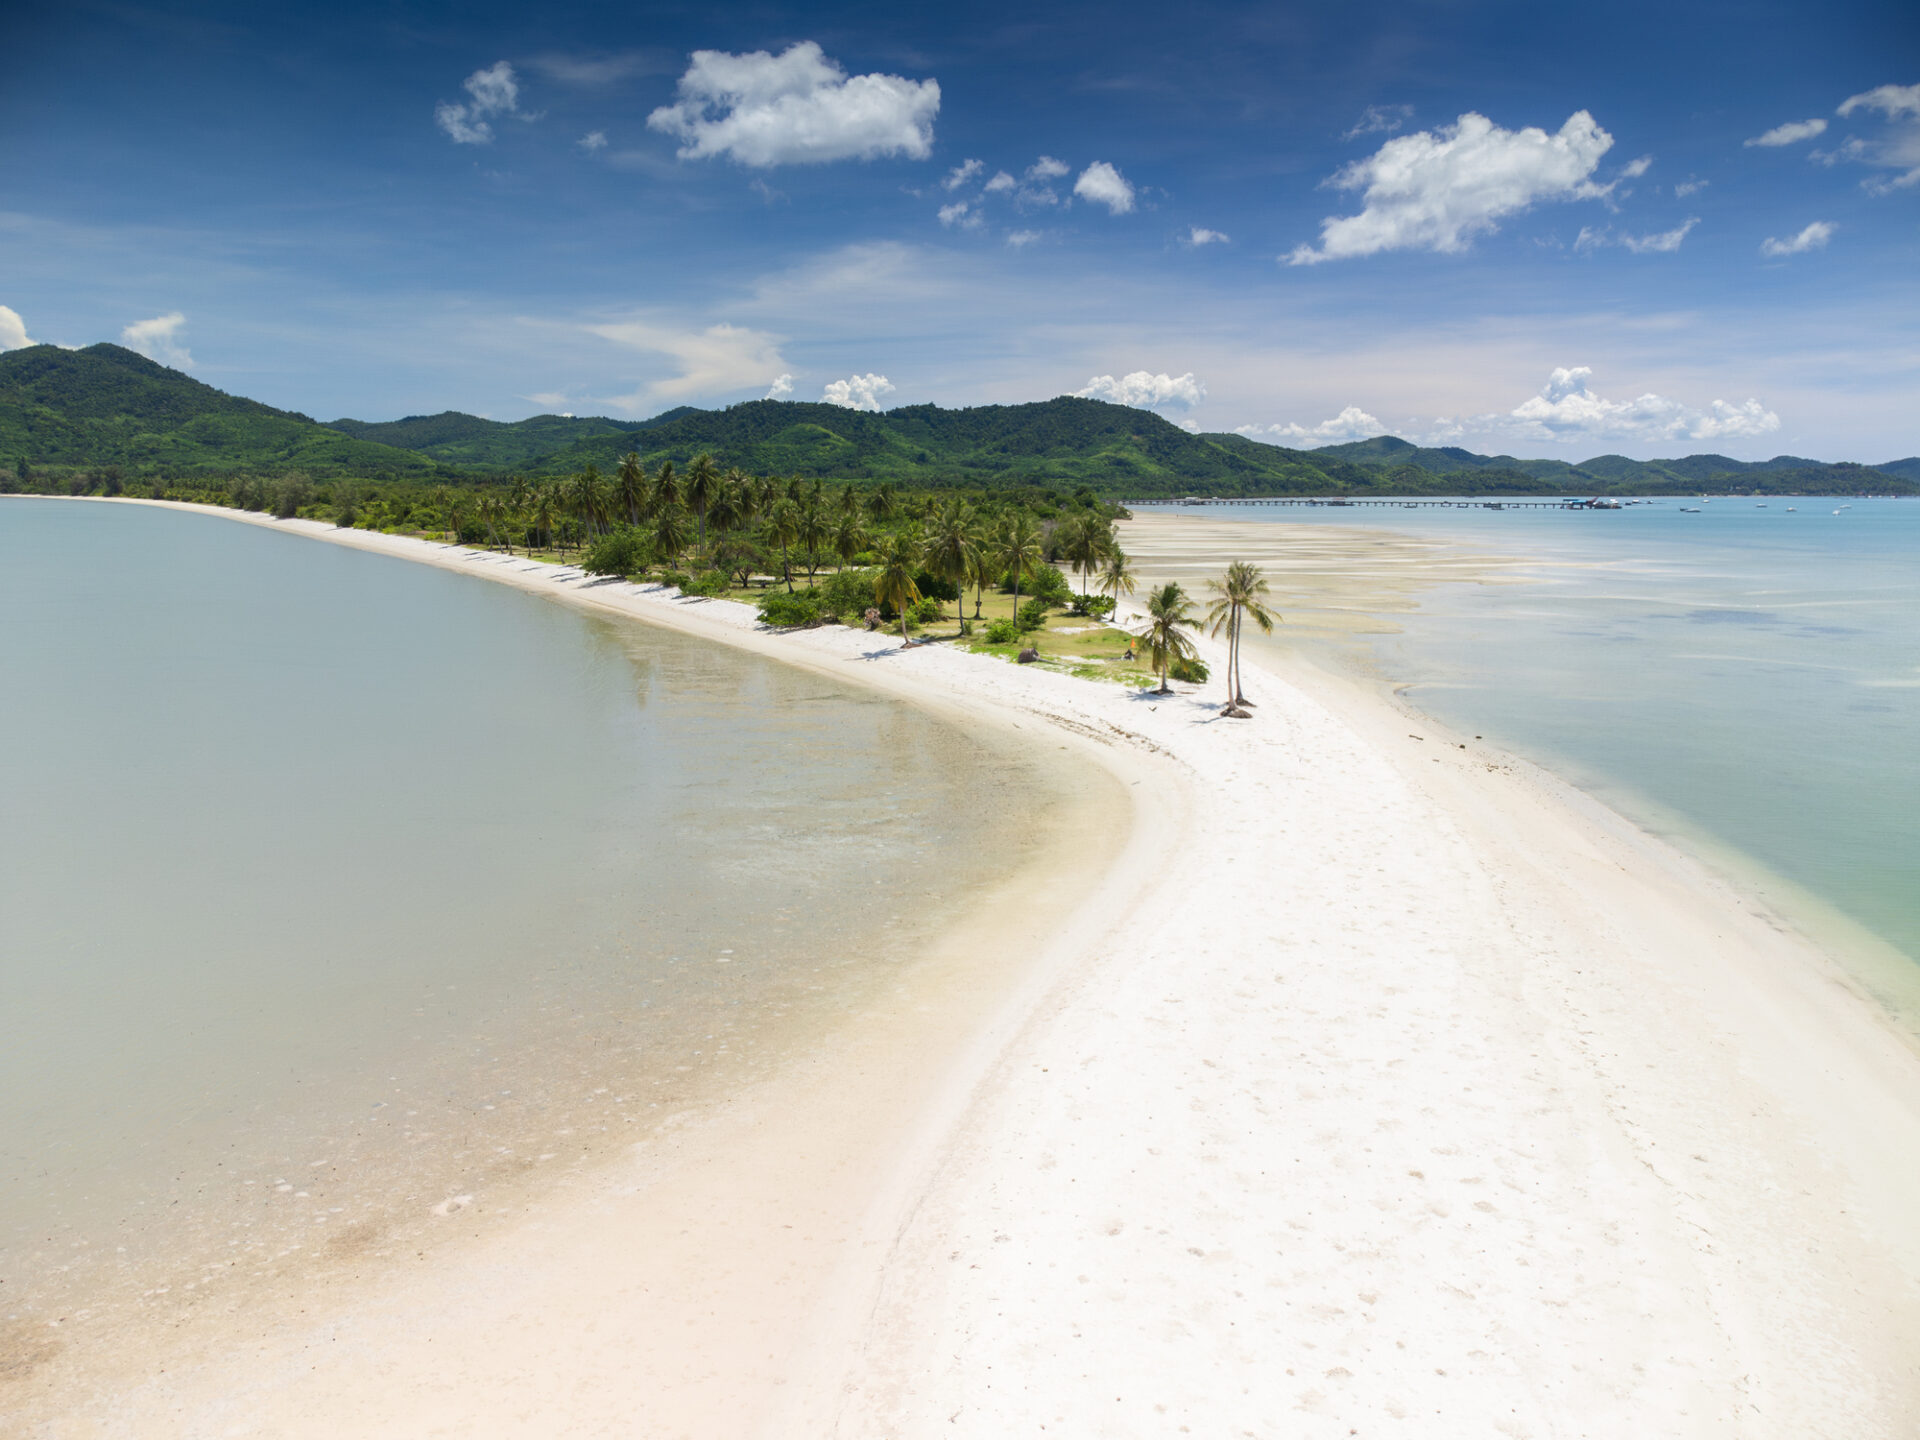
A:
[926, 610]
[1002, 632]
[1093, 605]
[1033, 614]
[708, 582]
[786, 612]
[1192, 672]
[618, 552]
[845, 595]
[933, 587]
[1046, 582]
[677, 578]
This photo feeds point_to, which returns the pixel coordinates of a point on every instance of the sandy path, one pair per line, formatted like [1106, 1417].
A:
[1384, 1087]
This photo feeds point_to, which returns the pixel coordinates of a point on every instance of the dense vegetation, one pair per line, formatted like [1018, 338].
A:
[105, 418]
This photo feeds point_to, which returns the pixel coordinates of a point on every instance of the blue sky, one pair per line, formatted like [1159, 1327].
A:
[1650, 229]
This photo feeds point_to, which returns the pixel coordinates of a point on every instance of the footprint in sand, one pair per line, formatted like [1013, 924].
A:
[452, 1204]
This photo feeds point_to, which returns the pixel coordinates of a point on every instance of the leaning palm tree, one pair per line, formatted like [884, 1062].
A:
[1237, 598]
[1169, 613]
[1116, 575]
[950, 546]
[1019, 550]
[894, 585]
[703, 481]
[630, 487]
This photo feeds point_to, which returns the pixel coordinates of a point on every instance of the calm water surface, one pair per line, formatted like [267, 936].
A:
[1748, 675]
[334, 887]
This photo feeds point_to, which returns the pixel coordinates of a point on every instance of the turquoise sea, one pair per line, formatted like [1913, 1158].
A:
[1742, 675]
[333, 887]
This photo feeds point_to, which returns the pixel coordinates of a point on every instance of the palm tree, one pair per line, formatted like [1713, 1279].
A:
[544, 505]
[590, 501]
[1116, 575]
[1084, 542]
[727, 508]
[1237, 597]
[849, 535]
[783, 528]
[493, 515]
[884, 501]
[982, 574]
[670, 534]
[894, 584]
[1018, 549]
[703, 481]
[1169, 612]
[849, 501]
[666, 487]
[812, 533]
[630, 487]
[951, 548]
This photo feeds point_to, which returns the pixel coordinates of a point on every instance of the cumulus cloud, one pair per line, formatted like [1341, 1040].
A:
[1380, 120]
[796, 108]
[1352, 423]
[1046, 168]
[1792, 133]
[159, 339]
[960, 213]
[713, 361]
[1663, 242]
[593, 140]
[1566, 410]
[1634, 169]
[962, 173]
[1144, 390]
[13, 330]
[1020, 239]
[1439, 189]
[781, 388]
[1690, 187]
[1101, 183]
[1001, 181]
[858, 392]
[1892, 101]
[1198, 235]
[1814, 237]
[492, 91]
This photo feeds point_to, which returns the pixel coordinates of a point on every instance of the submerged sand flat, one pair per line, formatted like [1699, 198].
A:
[1379, 1086]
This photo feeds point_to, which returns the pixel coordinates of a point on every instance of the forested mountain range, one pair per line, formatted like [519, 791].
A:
[75, 413]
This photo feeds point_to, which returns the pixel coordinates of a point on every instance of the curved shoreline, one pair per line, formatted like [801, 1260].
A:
[1385, 1090]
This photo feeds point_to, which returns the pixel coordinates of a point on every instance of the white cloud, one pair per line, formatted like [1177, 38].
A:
[1352, 423]
[713, 361]
[1000, 181]
[796, 108]
[1634, 169]
[1814, 237]
[1690, 187]
[858, 392]
[1437, 190]
[1663, 243]
[960, 213]
[1565, 409]
[13, 330]
[1145, 390]
[547, 400]
[1030, 195]
[159, 339]
[781, 388]
[1792, 133]
[1020, 239]
[593, 140]
[1380, 120]
[1046, 168]
[492, 91]
[1102, 183]
[1891, 101]
[1198, 235]
[590, 70]
[962, 173]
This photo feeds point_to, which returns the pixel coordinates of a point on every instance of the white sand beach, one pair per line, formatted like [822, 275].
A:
[1380, 1084]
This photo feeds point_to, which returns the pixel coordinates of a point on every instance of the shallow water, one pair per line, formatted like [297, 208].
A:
[335, 888]
[1747, 676]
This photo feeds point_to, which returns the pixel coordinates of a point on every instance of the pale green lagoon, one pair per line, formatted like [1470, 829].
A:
[333, 886]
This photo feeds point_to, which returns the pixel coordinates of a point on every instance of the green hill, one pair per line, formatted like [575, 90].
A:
[106, 406]
[458, 439]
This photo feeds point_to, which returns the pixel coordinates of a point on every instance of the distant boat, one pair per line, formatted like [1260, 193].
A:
[1836, 512]
[1760, 507]
[1695, 510]
[1792, 508]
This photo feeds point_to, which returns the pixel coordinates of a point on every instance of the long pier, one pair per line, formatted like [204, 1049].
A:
[1343, 503]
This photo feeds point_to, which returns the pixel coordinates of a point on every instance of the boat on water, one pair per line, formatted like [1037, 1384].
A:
[1689, 509]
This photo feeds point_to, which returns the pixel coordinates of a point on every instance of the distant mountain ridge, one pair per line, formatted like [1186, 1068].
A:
[107, 407]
